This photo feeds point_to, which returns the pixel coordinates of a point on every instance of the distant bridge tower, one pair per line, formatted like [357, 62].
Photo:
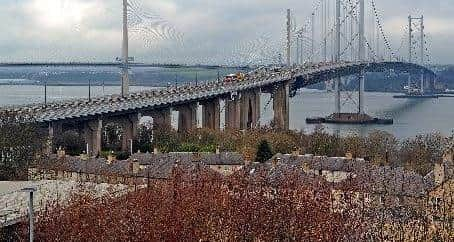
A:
[337, 105]
[361, 55]
[125, 53]
[412, 45]
[312, 37]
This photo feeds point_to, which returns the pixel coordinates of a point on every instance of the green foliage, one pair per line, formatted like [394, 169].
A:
[111, 137]
[166, 140]
[106, 153]
[189, 147]
[71, 141]
[264, 152]
[143, 141]
[122, 155]
[322, 143]
[208, 148]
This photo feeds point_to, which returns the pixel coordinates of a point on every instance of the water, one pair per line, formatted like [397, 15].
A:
[411, 117]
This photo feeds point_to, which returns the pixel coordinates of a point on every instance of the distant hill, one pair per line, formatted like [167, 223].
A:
[446, 76]
[163, 76]
[106, 75]
[392, 82]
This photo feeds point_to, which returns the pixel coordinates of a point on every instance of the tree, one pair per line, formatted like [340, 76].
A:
[71, 141]
[419, 154]
[382, 148]
[264, 152]
[143, 141]
[21, 140]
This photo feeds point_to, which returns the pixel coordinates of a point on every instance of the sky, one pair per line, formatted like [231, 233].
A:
[192, 31]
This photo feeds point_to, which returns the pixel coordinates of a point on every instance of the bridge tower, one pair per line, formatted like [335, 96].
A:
[312, 37]
[422, 52]
[359, 117]
[125, 53]
[337, 105]
[361, 55]
[412, 45]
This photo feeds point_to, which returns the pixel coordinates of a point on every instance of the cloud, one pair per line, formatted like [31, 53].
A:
[214, 30]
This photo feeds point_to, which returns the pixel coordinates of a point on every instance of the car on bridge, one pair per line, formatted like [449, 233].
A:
[235, 77]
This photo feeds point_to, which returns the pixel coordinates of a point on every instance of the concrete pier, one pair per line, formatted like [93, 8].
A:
[232, 114]
[130, 127]
[281, 106]
[187, 117]
[55, 129]
[250, 109]
[93, 136]
[211, 114]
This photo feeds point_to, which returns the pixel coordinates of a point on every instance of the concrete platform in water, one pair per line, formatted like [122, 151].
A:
[405, 96]
[349, 118]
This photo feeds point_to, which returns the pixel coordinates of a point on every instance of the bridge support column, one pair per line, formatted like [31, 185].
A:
[130, 126]
[211, 116]
[422, 83]
[162, 118]
[92, 133]
[361, 92]
[232, 114]
[55, 128]
[281, 107]
[250, 109]
[337, 94]
[187, 117]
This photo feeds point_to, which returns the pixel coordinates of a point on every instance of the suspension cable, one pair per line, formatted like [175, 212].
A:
[380, 27]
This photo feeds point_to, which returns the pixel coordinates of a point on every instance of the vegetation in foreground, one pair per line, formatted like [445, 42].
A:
[200, 205]
[258, 203]
[203, 205]
[418, 154]
[21, 143]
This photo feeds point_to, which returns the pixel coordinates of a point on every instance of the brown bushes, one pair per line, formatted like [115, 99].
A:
[202, 206]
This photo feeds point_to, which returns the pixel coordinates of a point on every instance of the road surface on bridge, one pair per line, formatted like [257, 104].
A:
[298, 76]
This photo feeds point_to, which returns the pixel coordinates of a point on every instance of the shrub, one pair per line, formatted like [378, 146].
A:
[264, 152]
[71, 141]
[122, 155]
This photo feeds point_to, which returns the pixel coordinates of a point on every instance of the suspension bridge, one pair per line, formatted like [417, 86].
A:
[342, 36]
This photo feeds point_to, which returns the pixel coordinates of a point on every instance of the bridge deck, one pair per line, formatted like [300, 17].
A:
[110, 105]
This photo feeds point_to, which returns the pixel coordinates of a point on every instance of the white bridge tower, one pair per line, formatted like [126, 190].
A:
[125, 53]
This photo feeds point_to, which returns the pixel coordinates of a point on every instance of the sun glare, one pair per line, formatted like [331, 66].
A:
[58, 13]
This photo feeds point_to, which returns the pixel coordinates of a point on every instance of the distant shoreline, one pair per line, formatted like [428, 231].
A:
[72, 85]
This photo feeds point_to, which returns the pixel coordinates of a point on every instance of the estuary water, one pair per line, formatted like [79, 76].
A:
[411, 117]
